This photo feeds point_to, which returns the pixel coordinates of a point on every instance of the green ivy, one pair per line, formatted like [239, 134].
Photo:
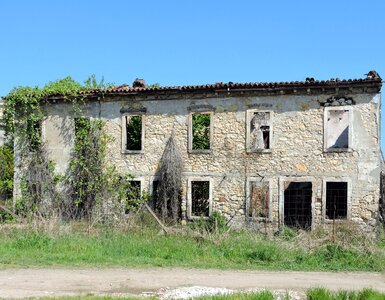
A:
[89, 179]
[6, 172]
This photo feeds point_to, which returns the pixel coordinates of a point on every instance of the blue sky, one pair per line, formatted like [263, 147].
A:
[189, 42]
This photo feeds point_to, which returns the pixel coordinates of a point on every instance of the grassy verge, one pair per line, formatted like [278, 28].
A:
[137, 248]
[323, 294]
[312, 294]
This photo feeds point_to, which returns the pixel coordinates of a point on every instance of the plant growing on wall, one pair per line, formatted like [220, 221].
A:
[6, 172]
[169, 189]
[88, 179]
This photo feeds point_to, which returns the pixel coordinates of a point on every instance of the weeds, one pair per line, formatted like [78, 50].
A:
[77, 244]
[323, 294]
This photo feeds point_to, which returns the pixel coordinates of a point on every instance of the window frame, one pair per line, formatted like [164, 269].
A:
[281, 197]
[151, 186]
[141, 180]
[249, 113]
[326, 130]
[349, 199]
[124, 116]
[190, 216]
[247, 200]
[190, 132]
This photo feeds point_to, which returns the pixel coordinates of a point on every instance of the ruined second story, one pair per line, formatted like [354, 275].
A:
[279, 153]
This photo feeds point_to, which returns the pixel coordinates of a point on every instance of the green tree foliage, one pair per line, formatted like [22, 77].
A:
[134, 133]
[88, 179]
[201, 131]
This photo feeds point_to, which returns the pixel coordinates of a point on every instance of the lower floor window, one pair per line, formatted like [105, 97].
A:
[259, 199]
[336, 200]
[134, 195]
[200, 198]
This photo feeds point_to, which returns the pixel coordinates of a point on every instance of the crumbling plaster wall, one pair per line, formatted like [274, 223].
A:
[297, 148]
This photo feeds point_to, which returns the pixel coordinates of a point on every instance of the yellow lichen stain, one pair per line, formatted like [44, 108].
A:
[233, 107]
[220, 109]
[304, 106]
[301, 167]
[133, 104]
[247, 101]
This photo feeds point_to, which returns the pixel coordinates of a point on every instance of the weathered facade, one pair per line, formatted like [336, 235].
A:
[291, 153]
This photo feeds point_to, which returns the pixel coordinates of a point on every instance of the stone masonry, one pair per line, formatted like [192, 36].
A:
[294, 167]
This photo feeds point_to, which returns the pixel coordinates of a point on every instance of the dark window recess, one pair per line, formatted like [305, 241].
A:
[154, 195]
[336, 200]
[297, 204]
[201, 131]
[260, 131]
[134, 133]
[133, 195]
[259, 199]
[200, 195]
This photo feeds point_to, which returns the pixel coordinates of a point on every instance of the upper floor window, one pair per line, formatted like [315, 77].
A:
[200, 132]
[132, 133]
[34, 134]
[337, 128]
[259, 131]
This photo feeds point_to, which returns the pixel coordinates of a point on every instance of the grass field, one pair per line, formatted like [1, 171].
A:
[103, 246]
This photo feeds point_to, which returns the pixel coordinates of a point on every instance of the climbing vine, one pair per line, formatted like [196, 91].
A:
[88, 179]
[6, 172]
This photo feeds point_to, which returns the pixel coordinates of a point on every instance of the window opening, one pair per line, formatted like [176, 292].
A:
[297, 204]
[336, 200]
[134, 194]
[337, 129]
[134, 132]
[201, 131]
[34, 134]
[258, 199]
[260, 126]
[154, 194]
[200, 198]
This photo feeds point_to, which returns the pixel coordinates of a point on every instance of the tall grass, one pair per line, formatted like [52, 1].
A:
[323, 294]
[103, 246]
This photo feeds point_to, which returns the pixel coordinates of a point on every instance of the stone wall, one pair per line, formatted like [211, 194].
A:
[297, 150]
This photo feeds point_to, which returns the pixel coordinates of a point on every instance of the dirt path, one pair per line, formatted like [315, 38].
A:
[20, 283]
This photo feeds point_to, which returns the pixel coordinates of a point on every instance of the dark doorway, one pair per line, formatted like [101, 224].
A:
[297, 204]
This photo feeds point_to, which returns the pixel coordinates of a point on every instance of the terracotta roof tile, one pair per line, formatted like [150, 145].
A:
[372, 79]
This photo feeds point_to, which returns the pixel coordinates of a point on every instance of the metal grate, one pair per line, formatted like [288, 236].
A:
[200, 195]
[297, 205]
[336, 200]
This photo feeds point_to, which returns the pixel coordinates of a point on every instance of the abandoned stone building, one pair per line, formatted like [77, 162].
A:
[299, 154]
